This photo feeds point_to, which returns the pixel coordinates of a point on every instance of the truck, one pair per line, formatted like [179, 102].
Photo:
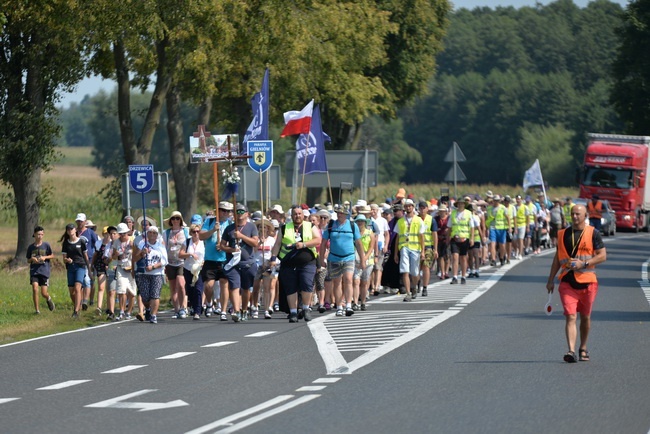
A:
[616, 168]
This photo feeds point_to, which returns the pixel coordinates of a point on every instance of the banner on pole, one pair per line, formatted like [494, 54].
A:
[261, 153]
[213, 148]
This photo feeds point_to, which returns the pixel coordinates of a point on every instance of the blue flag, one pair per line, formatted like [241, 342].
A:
[310, 149]
[259, 127]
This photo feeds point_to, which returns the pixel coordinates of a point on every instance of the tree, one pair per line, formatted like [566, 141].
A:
[40, 54]
[631, 92]
[551, 144]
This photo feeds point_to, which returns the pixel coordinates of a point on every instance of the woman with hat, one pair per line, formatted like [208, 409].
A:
[362, 275]
[175, 237]
[193, 254]
[266, 275]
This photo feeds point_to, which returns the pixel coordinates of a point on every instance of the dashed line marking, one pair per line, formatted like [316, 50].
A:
[177, 355]
[4, 400]
[219, 344]
[259, 334]
[124, 369]
[310, 388]
[63, 385]
[327, 380]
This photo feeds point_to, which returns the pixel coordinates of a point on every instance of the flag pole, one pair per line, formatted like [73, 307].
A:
[329, 186]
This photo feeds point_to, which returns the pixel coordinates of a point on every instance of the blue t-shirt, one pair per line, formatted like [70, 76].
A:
[342, 239]
[211, 252]
[91, 241]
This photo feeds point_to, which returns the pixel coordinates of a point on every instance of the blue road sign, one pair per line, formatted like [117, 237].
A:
[261, 154]
[141, 177]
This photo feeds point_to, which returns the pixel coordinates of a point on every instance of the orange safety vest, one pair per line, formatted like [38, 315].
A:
[595, 211]
[584, 252]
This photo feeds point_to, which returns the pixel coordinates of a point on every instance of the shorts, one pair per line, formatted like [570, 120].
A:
[336, 270]
[41, 280]
[554, 228]
[379, 262]
[362, 274]
[409, 261]
[294, 279]
[476, 245]
[519, 233]
[112, 280]
[149, 286]
[498, 235]
[443, 248]
[319, 279]
[125, 281]
[460, 248]
[508, 237]
[531, 231]
[173, 271]
[427, 258]
[76, 274]
[577, 300]
[212, 270]
[241, 276]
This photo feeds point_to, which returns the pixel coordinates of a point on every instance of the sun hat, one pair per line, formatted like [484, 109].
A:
[401, 193]
[264, 222]
[90, 224]
[442, 208]
[364, 209]
[151, 221]
[340, 209]
[360, 203]
[323, 213]
[225, 205]
[122, 228]
[168, 221]
[361, 218]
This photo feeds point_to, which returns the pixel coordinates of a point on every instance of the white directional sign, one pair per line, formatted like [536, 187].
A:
[120, 402]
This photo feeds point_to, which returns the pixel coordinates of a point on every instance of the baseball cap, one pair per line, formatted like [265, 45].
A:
[398, 207]
[225, 205]
[196, 219]
[70, 226]
[81, 217]
[423, 204]
[278, 208]
[360, 203]
[241, 207]
[409, 202]
[340, 208]
[122, 228]
[442, 208]
[361, 218]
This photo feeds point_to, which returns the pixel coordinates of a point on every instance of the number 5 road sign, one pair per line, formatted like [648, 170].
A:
[141, 177]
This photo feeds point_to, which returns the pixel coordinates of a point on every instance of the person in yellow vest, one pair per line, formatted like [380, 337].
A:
[510, 209]
[522, 221]
[595, 211]
[461, 225]
[362, 276]
[410, 245]
[295, 247]
[344, 238]
[475, 252]
[566, 209]
[430, 255]
[580, 248]
[499, 222]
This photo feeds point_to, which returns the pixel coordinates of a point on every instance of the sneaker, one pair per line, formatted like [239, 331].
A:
[349, 311]
[293, 317]
[140, 317]
[454, 281]
[84, 305]
[321, 308]
[407, 298]
[267, 314]
[147, 315]
[175, 315]
[363, 307]
[414, 295]
[254, 313]
[507, 261]
[224, 316]
[394, 291]
[182, 314]
[355, 307]
[477, 275]
[376, 293]
[306, 315]
[110, 317]
[276, 307]
[127, 316]
[154, 319]
[463, 281]
[493, 263]
[75, 315]
[98, 312]
[50, 305]
[38, 312]
[244, 315]
[235, 317]
[208, 311]
[339, 312]
[425, 292]
[328, 306]
[196, 316]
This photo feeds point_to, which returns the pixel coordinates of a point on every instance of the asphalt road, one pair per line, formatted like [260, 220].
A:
[481, 357]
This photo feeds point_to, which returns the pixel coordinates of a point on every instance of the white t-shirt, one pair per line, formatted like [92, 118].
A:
[194, 249]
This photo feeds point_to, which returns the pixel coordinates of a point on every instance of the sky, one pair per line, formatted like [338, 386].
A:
[90, 86]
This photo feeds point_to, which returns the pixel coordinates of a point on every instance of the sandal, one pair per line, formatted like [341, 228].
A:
[570, 357]
[584, 355]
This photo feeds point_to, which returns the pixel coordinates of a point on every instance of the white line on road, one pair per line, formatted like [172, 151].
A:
[177, 355]
[327, 380]
[310, 388]
[63, 385]
[3, 400]
[124, 369]
[219, 344]
[229, 419]
[259, 334]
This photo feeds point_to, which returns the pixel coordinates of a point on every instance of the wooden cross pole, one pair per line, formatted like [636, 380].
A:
[202, 134]
[230, 160]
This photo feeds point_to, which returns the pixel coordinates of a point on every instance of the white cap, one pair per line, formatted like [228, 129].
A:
[409, 202]
[277, 207]
[122, 228]
[360, 203]
[81, 217]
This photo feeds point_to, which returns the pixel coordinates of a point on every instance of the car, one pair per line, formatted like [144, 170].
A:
[608, 219]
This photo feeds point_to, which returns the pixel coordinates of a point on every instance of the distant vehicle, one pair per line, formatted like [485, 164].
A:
[616, 168]
[607, 221]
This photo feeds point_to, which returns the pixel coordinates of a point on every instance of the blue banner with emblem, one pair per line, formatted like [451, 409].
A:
[261, 154]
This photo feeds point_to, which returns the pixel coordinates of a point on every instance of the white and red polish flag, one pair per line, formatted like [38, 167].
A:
[298, 122]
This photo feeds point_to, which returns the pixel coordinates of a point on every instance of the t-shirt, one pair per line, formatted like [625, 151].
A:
[342, 237]
[249, 230]
[124, 251]
[75, 251]
[34, 251]
[556, 215]
[569, 237]
[91, 241]
[157, 253]
[174, 240]
[211, 252]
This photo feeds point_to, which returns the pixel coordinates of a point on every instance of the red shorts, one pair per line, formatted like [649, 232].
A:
[577, 300]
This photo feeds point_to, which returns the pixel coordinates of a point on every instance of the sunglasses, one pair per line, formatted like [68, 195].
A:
[324, 218]
[224, 210]
[241, 211]
[175, 218]
[195, 232]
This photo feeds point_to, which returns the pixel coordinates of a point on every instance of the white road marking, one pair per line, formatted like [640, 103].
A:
[310, 388]
[124, 369]
[259, 334]
[219, 344]
[140, 406]
[63, 385]
[3, 400]
[327, 380]
[230, 419]
[177, 355]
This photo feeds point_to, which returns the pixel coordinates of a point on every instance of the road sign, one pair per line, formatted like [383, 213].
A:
[455, 174]
[141, 177]
[261, 153]
[455, 155]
